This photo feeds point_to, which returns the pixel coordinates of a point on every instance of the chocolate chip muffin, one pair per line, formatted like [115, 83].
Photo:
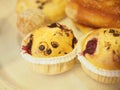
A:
[99, 53]
[52, 47]
[53, 9]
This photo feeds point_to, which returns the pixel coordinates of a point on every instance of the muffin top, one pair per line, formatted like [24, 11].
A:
[102, 48]
[50, 41]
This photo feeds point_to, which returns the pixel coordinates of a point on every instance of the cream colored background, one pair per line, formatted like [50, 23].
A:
[14, 73]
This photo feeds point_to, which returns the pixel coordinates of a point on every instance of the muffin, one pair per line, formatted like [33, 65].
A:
[99, 54]
[53, 9]
[29, 20]
[50, 49]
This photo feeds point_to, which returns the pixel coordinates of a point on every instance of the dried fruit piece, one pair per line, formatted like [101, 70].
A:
[28, 47]
[90, 47]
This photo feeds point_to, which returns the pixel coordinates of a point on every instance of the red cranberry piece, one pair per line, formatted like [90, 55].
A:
[28, 47]
[91, 46]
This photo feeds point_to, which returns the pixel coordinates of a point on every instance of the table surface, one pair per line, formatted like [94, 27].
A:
[16, 75]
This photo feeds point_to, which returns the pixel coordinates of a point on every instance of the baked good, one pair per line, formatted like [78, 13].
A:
[97, 13]
[33, 14]
[50, 49]
[29, 20]
[99, 54]
[53, 9]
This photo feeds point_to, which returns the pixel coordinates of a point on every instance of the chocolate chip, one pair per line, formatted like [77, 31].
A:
[53, 25]
[54, 44]
[108, 48]
[48, 51]
[61, 26]
[116, 34]
[67, 34]
[59, 52]
[41, 47]
[114, 52]
[43, 3]
[65, 52]
[104, 31]
[111, 31]
[40, 7]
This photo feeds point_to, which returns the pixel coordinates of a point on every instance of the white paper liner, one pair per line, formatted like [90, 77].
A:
[50, 60]
[100, 71]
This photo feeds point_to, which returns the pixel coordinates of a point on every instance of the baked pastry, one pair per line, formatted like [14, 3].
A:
[29, 20]
[99, 54]
[50, 49]
[97, 13]
[53, 9]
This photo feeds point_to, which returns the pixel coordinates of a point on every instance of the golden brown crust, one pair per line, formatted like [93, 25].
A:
[97, 13]
[107, 54]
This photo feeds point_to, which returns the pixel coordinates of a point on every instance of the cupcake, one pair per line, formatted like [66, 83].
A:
[99, 54]
[50, 49]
